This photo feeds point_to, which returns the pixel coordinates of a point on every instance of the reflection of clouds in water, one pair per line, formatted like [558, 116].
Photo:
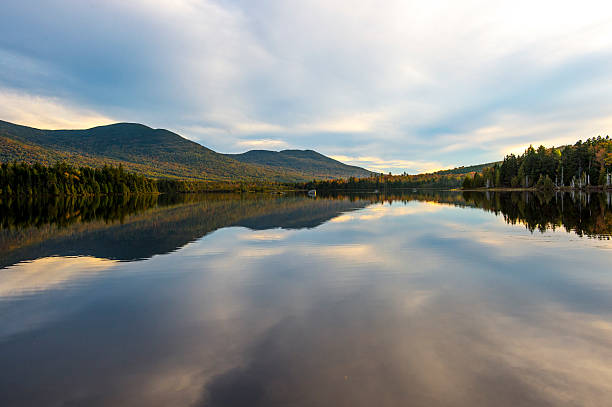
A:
[345, 252]
[443, 352]
[266, 235]
[431, 351]
[24, 286]
[567, 356]
[402, 310]
[435, 350]
[47, 273]
[259, 251]
[378, 211]
[357, 253]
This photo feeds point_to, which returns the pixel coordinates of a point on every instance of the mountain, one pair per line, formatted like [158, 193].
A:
[153, 152]
[307, 162]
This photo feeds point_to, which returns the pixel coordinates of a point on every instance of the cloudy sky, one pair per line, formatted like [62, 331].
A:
[392, 86]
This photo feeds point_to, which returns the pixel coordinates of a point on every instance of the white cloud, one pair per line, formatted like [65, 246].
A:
[354, 123]
[514, 133]
[262, 144]
[396, 166]
[46, 112]
[254, 128]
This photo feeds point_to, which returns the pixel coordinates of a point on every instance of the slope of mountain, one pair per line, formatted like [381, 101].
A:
[308, 162]
[152, 152]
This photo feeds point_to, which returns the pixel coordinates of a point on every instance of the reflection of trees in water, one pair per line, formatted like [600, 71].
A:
[586, 214]
[136, 229]
[583, 213]
[63, 211]
[20, 212]
[139, 226]
[432, 195]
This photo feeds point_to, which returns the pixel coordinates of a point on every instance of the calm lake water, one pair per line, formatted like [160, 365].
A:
[424, 299]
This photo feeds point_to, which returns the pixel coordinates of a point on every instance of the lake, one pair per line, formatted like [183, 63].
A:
[420, 299]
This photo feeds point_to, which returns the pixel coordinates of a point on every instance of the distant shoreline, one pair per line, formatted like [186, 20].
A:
[590, 188]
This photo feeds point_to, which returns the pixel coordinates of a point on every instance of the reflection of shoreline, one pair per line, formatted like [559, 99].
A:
[64, 211]
[577, 211]
[588, 188]
[163, 229]
[587, 214]
[142, 229]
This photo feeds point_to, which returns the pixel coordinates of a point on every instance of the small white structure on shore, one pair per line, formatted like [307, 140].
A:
[312, 192]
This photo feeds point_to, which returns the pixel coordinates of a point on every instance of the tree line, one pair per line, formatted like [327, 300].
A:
[585, 164]
[385, 182]
[63, 179]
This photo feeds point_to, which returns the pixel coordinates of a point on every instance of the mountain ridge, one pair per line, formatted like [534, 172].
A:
[306, 161]
[158, 153]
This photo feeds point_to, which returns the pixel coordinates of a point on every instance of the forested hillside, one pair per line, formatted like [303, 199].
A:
[62, 179]
[151, 152]
[584, 164]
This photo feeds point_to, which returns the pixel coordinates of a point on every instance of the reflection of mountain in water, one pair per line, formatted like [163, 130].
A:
[137, 228]
[160, 229]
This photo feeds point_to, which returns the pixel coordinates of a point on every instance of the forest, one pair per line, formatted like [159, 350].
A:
[584, 165]
[62, 179]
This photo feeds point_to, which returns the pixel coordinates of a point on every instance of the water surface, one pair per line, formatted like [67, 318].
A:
[426, 299]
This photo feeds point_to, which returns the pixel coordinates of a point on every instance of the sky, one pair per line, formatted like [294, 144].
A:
[397, 86]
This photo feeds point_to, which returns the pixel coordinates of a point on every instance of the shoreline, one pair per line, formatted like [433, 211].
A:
[532, 189]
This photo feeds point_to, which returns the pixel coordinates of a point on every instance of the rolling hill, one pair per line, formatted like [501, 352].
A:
[157, 153]
[307, 162]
